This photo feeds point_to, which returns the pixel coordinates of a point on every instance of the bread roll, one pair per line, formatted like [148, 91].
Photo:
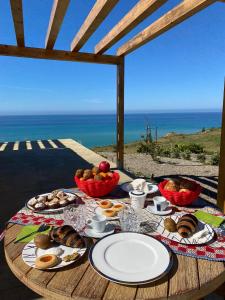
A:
[187, 225]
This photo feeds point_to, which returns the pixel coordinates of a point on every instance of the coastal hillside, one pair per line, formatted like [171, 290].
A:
[209, 139]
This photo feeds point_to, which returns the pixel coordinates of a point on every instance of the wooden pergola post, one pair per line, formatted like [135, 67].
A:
[221, 183]
[120, 115]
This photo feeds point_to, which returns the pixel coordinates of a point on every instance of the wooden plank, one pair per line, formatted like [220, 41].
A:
[120, 116]
[96, 16]
[154, 290]
[181, 12]
[184, 282]
[40, 278]
[11, 233]
[40, 53]
[211, 279]
[221, 179]
[91, 286]
[58, 12]
[120, 292]
[17, 14]
[136, 15]
[70, 278]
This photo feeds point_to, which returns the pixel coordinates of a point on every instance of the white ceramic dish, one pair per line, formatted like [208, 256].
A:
[31, 252]
[151, 209]
[149, 189]
[47, 211]
[99, 210]
[89, 232]
[195, 239]
[130, 258]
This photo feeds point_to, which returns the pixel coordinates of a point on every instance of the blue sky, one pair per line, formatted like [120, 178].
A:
[183, 69]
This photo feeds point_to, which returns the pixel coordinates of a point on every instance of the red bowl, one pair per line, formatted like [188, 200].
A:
[94, 188]
[181, 198]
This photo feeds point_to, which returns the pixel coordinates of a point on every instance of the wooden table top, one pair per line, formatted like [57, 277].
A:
[189, 278]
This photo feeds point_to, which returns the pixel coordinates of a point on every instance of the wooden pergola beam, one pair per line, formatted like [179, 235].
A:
[221, 179]
[17, 14]
[96, 16]
[136, 15]
[181, 12]
[28, 52]
[58, 12]
[120, 116]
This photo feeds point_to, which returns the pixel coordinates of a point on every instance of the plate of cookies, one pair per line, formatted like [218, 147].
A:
[60, 248]
[185, 229]
[53, 202]
[109, 208]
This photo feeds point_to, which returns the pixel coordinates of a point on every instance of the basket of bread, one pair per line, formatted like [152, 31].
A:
[98, 181]
[180, 191]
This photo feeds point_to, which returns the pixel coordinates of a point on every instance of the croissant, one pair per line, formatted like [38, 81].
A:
[67, 236]
[187, 225]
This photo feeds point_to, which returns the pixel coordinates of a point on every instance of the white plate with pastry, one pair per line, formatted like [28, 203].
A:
[130, 258]
[51, 258]
[60, 248]
[53, 202]
[185, 229]
[139, 184]
[109, 208]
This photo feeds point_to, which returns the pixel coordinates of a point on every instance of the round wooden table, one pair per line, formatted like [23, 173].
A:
[189, 278]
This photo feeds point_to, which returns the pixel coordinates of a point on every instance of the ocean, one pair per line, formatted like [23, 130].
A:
[100, 130]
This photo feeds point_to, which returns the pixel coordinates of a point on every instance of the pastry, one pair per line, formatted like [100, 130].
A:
[66, 235]
[39, 206]
[95, 170]
[105, 204]
[87, 174]
[53, 204]
[79, 173]
[60, 194]
[42, 241]
[185, 184]
[98, 177]
[46, 261]
[187, 225]
[184, 190]
[109, 212]
[63, 203]
[32, 202]
[118, 207]
[170, 225]
[50, 196]
[41, 199]
[71, 257]
[172, 185]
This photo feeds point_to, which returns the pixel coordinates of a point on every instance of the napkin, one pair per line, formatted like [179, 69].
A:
[29, 229]
[209, 218]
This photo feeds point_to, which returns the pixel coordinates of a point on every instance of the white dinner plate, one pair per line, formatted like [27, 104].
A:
[48, 211]
[89, 232]
[130, 258]
[149, 189]
[31, 252]
[151, 209]
[195, 239]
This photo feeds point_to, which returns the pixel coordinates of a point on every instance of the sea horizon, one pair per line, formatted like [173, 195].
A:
[93, 130]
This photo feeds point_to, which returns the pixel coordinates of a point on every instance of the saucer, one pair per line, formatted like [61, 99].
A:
[90, 232]
[165, 212]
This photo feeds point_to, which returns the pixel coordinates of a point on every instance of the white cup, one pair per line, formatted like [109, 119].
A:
[160, 203]
[137, 199]
[98, 223]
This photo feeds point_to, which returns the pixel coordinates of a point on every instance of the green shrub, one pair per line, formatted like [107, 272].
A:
[175, 153]
[215, 158]
[186, 155]
[152, 149]
[165, 153]
[201, 157]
